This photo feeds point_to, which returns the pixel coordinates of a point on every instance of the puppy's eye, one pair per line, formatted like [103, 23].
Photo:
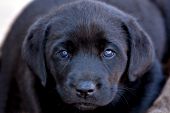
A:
[63, 54]
[108, 54]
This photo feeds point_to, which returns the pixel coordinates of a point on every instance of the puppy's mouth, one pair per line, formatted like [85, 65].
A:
[85, 106]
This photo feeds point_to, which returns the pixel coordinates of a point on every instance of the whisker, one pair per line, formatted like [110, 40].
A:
[130, 90]
[123, 99]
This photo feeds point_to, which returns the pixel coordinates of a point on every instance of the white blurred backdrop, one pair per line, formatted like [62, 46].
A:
[9, 9]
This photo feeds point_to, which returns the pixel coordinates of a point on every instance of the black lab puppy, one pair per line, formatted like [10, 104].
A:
[83, 56]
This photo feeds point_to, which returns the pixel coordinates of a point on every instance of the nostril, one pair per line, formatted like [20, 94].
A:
[85, 88]
[99, 85]
[85, 91]
[90, 90]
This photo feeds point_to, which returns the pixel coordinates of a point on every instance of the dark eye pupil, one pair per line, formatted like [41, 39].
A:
[109, 53]
[64, 54]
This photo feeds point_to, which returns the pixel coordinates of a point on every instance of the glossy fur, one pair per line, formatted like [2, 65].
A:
[37, 79]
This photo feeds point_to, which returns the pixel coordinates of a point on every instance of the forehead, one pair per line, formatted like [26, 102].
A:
[87, 33]
[86, 25]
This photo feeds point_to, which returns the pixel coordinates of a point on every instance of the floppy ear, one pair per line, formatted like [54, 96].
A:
[33, 50]
[141, 50]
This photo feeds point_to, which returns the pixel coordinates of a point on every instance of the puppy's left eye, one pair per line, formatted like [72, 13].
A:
[108, 54]
[62, 54]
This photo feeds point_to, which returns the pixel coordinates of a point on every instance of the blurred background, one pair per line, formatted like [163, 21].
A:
[9, 9]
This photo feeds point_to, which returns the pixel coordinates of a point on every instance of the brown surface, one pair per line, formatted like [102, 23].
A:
[162, 104]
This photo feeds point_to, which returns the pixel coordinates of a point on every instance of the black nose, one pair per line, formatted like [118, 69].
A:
[85, 88]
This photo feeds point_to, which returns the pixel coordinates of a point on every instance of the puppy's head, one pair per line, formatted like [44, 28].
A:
[87, 47]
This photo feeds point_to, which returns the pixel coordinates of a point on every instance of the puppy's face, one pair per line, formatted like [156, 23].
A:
[85, 47]
[86, 60]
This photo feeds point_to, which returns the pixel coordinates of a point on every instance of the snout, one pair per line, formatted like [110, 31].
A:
[89, 88]
[86, 93]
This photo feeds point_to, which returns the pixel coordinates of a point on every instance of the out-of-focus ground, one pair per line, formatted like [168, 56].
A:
[9, 9]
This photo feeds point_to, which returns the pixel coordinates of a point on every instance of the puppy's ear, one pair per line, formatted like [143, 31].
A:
[141, 50]
[33, 50]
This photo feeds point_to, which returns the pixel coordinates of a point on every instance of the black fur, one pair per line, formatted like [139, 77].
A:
[36, 78]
